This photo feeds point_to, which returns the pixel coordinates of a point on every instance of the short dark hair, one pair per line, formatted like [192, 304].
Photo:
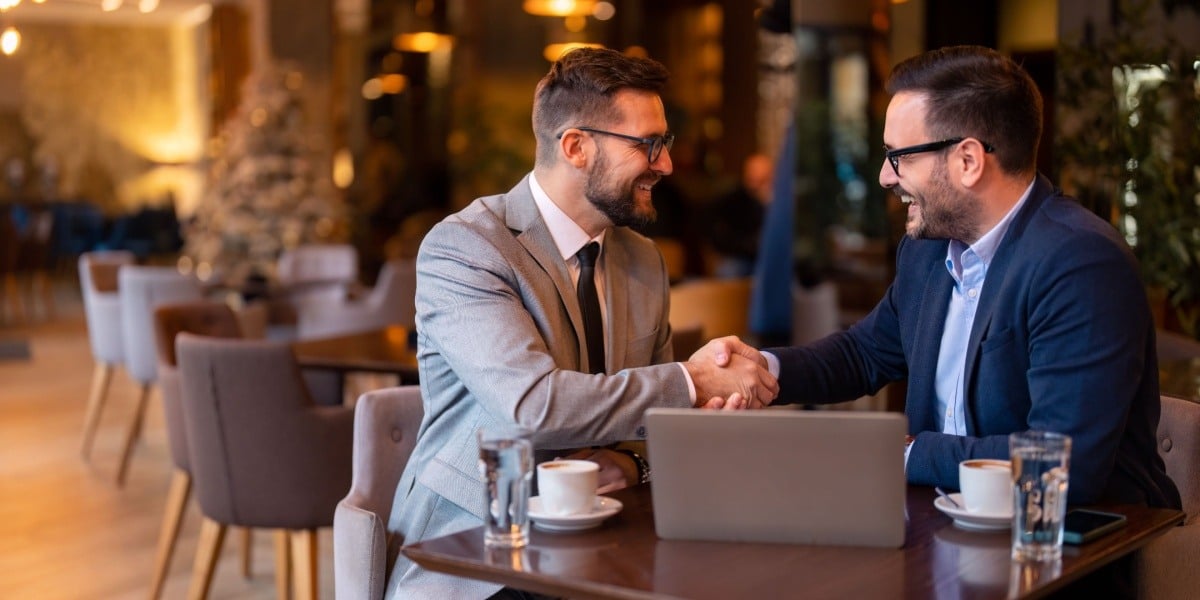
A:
[579, 88]
[977, 92]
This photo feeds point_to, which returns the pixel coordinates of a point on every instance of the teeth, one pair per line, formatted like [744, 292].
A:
[906, 199]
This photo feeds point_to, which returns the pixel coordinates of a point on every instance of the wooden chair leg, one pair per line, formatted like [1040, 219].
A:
[135, 431]
[177, 497]
[46, 288]
[247, 538]
[304, 563]
[101, 377]
[283, 564]
[208, 551]
[13, 295]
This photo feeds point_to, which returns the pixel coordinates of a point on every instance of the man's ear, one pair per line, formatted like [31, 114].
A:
[971, 161]
[574, 147]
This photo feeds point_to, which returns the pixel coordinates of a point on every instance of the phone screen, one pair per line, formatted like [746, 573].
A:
[1082, 525]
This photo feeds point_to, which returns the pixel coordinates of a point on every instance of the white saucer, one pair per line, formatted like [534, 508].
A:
[605, 507]
[971, 521]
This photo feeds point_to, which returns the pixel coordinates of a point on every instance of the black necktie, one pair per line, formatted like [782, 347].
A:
[593, 329]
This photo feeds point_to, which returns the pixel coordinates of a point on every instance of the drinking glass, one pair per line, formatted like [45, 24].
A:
[1040, 464]
[506, 463]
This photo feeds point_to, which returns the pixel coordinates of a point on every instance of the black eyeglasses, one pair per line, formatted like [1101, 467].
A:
[654, 144]
[893, 156]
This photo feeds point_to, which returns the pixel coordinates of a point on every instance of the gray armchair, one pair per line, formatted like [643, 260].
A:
[262, 453]
[1167, 566]
[385, 431]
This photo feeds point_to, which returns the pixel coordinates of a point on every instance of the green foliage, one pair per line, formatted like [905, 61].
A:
[1131, 156]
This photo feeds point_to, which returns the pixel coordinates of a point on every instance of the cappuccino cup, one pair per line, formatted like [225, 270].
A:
[568, 487]
[986, 486]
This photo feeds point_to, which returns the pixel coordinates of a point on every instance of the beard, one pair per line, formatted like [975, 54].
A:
[616, 199]
[942, 212]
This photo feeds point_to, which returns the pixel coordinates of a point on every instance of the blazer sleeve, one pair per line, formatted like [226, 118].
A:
[477, 315]
[1074, 331]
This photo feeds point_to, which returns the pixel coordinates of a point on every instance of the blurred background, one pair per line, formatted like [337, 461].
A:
[216, 134]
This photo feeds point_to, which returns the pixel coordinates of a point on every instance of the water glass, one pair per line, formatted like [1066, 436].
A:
[506, 463]
[1040, 465]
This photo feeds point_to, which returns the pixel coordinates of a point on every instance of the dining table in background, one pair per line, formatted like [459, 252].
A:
[623, 558]
[386, 350]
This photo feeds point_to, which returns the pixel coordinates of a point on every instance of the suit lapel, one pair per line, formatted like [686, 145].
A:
[616, 260]
[993, 287]
[522, 216]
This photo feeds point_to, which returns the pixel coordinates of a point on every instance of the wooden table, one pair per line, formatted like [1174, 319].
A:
[625, 559]
[1180, 378]
[385, 350]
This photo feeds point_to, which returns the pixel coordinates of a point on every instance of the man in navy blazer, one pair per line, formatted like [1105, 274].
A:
[1013, 307]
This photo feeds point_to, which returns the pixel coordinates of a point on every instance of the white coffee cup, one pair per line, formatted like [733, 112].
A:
[986, 485]
[568, 487]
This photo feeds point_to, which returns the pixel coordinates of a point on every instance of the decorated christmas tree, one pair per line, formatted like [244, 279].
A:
[265, 191]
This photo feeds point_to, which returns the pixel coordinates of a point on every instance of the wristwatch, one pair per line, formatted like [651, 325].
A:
[643, 467]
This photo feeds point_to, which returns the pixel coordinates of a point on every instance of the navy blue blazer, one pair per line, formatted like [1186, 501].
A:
[1062, 341]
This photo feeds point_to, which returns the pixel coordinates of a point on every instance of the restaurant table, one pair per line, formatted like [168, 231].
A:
[385, 350]
[623, 558]
[1180, 378]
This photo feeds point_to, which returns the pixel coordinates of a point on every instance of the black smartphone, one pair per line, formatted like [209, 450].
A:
[1082, 525]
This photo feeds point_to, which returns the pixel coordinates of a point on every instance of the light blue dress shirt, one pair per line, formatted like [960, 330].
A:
[968, 265]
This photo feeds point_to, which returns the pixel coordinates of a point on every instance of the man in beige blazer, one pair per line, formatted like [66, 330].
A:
[500, 331]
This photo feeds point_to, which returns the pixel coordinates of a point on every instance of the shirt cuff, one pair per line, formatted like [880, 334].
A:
[772, 363]
[691, 385]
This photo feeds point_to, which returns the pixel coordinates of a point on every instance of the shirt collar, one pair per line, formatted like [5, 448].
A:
[568, 236]
[985, 247]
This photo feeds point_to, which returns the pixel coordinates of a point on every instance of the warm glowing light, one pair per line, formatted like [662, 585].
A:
[343, 168]
[7, 4]
[575, 24]
[10, 40]
[372, 89]
[393, 83]
[604, 11]
[559, 8]
[110, 5]
[637, 52]
[553, 52]
[423, 42]
[147, 6]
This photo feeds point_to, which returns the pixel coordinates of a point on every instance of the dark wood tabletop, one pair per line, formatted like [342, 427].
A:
[623, 558]
[385, 350]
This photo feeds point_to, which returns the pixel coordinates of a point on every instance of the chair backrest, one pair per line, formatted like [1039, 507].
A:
[1179, 445]
[722, 306]
[814, 312]
[396, 291]
[686, 340]
[201, 318]
[317, 263]
[102, 304]
[262, 454]
[1176, 346]
[142, 289]
[385, 430]
[390, 302]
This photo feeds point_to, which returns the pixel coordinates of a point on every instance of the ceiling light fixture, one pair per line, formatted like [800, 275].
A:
[559, 8]
[10, 40]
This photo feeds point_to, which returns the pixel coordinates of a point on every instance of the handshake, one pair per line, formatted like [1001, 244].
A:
[730, 375]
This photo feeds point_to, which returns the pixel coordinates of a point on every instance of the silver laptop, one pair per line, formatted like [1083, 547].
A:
[785, 476]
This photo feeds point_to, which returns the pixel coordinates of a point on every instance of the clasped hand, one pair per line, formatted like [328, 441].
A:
[730, 375]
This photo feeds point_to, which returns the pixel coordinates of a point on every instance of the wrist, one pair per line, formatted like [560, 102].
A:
[643, 467]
